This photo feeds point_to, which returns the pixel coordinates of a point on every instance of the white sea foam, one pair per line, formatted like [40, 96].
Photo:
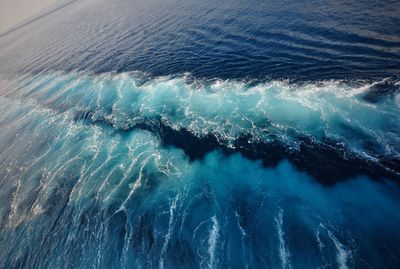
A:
[331, 109]
[284, 252]
[172, 210]
[213, 242]
[343, 254]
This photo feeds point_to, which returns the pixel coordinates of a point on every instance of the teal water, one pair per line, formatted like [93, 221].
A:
[95, 173]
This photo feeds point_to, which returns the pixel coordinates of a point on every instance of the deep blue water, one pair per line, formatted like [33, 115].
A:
[201, 134]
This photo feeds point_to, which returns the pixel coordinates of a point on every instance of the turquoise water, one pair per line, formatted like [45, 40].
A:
[95, 173]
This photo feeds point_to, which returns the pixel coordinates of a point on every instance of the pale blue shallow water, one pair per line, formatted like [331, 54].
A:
[201, 135]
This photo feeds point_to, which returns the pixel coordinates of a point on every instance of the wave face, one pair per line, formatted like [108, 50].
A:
[126, 170]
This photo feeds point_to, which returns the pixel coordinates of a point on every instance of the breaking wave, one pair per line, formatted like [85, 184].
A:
[354, 126]
[122, 170]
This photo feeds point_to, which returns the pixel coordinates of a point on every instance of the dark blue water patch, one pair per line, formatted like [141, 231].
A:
[329, 161]
[235, 40]
[380, 90]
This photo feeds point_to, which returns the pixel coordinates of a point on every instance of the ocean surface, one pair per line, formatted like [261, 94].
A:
[201, 134]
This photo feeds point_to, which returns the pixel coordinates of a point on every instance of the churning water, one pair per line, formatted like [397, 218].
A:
[201, 134]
